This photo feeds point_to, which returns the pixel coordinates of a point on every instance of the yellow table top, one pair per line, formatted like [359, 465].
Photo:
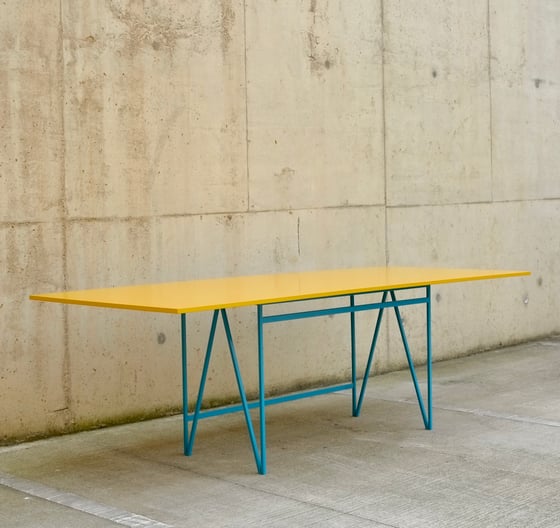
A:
[209, 294]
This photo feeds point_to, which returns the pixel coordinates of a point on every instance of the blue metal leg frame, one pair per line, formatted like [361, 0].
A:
[189, 436]
[259, 448]
[357, 407]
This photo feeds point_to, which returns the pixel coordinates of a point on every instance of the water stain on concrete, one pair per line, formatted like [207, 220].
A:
[286, 173]
[322, 55]
[161, 30]
[227, 21]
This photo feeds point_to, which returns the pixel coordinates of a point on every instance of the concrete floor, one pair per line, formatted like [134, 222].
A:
[493, 459]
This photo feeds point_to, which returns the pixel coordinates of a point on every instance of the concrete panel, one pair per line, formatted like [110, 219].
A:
[437, 103]
[31, 146]
[473, 316]
[154, 108]
[32, 361]
[314, 99]
[525, 99]
[123, 365]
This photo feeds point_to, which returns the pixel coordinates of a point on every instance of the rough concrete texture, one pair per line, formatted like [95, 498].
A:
[437, 108]
[314, 101]
[491, 460]
[154, 110]
[525, 103]
[150, 141]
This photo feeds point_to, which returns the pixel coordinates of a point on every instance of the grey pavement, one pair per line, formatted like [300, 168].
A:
[492, 460]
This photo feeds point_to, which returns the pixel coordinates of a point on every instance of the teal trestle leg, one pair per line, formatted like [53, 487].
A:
[357, 401]
[426, 413]
[185, 385]
[429, 425]
[189, 437]
[261, 465]
[353, 354]
[358, 407]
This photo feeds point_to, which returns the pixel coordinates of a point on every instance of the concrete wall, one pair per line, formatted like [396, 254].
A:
[145, 141]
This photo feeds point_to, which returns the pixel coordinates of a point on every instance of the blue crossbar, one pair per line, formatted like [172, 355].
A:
[229, 409]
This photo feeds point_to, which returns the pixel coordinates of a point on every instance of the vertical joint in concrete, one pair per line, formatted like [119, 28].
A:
[246, 105]
[384, 135]
[490, 116]
[66, 377]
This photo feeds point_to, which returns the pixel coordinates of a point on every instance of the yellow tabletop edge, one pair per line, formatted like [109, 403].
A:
[492, 274]
[46, 297]
[467, 275]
